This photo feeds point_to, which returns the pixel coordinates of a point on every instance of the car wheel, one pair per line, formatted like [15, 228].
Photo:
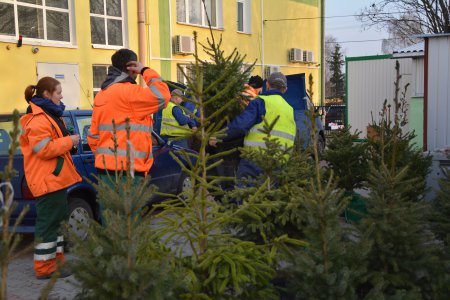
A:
[185, 183]
[80, 216]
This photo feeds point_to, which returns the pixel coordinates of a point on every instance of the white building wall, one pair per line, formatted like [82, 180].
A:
[438, 131]
[369, 82]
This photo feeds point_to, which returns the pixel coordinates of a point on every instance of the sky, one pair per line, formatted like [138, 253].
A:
[350, 29]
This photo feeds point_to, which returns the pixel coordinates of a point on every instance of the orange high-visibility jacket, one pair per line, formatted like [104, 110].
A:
[46, 154]
[250, 93]
[118, 102]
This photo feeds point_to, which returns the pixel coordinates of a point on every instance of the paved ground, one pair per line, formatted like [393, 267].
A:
[23, 285]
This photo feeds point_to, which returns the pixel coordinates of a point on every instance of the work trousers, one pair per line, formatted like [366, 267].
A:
[51, 210]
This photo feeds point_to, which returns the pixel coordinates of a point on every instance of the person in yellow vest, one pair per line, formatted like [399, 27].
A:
[175, 123]
[269, 105]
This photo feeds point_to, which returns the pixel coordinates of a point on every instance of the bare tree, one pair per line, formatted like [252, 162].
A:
[404, 18]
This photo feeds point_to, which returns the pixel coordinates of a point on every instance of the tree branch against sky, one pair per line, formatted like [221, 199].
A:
[412, 17]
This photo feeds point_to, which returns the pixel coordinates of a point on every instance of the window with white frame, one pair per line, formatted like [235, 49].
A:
[243, 16]
[184, 71]
[46, 20]
[193, 12]
[107, 22]
[99, 73]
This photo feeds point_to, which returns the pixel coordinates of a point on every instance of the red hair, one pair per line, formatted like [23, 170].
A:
[48, 84]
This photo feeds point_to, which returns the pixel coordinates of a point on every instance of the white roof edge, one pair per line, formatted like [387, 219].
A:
[431, 35]
[408, 55]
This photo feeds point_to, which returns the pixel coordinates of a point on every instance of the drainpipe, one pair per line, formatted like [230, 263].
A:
[322, 52]
[262, 38]
[141, 33]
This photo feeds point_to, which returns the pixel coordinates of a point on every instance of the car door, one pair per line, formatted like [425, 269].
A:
[83, 123]
[165, 171]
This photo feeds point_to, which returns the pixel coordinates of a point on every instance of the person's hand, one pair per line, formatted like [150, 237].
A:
[213, 141]
[75, 139]
[135, 67]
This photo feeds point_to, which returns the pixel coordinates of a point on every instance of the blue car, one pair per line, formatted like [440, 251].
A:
[165, 173]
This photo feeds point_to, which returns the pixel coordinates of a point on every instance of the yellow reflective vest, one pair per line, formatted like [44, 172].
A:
[169, 125]
[285, 128]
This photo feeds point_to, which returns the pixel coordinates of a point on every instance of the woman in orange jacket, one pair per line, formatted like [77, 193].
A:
[46, 145]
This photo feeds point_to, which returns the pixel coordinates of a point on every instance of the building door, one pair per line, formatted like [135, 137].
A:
[68, 75]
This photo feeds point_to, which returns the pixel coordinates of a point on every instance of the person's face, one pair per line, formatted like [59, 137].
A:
[177, 100]
[56, 96]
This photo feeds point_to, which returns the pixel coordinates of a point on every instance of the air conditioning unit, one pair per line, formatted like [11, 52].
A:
[183, 45]
[308, 56]
[295, 55]
[269, 70]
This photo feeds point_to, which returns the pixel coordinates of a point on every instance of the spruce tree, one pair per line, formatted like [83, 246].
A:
[403, 262]
[270, 205]
[9, 238]
[121, 259]
[337, 77]
[392, 145]
[330, 266]
[348, 160]
[217, 264]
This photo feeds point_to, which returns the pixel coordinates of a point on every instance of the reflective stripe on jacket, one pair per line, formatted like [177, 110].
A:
[47, 161]
[169, 125]
[118, 102]
[285, 128]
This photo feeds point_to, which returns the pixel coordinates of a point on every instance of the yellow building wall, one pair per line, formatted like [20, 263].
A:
[277, 36]
[19, 63]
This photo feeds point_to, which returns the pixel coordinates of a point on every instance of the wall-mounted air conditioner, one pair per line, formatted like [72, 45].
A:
[308, 56]
[183, 45]
[295, 55]
[269, 70]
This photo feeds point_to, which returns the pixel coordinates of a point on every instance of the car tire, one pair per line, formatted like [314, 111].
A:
[80, 216]
[184, 183]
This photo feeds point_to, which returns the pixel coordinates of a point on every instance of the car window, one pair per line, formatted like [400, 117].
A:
[69, 124]
[6, 125]
[84, 124]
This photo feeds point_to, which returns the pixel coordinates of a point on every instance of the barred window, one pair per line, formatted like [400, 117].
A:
[48, 20]
[107, 22]
[188, 72]
[99, 75]
[193, 12]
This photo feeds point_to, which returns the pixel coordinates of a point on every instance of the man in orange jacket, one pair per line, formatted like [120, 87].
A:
[120, 98]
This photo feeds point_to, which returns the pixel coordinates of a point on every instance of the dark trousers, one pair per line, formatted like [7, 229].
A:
[51, 210]
[247, 170]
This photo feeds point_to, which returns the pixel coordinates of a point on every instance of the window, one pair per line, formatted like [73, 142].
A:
[48, 20]
[243, 16]
[84, 124]
[99, 75]
[107, 22]
[188, 72]
[193, 12]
